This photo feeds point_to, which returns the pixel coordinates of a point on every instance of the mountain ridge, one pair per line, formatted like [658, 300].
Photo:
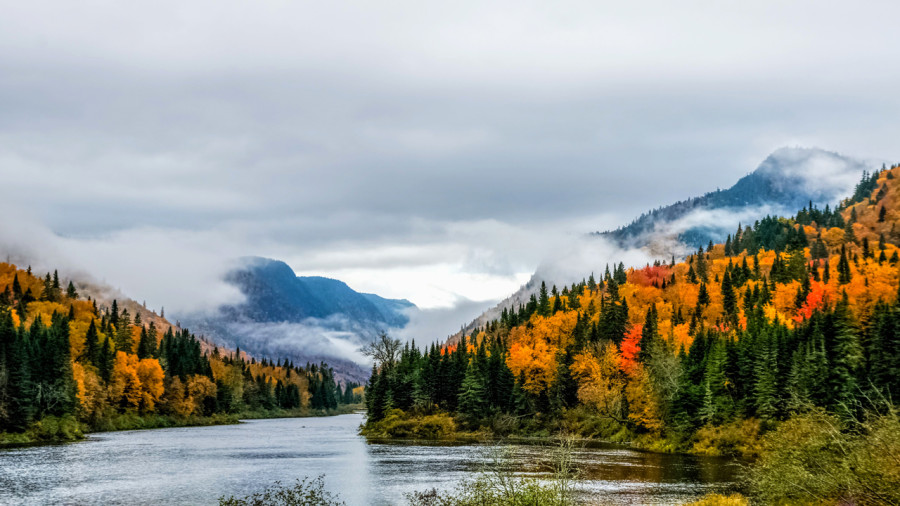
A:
[306, 318]
[786, 180]
[773, 179]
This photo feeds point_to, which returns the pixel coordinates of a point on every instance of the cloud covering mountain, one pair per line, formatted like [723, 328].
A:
[304, 318]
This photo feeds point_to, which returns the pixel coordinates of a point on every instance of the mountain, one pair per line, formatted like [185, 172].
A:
[306, 318]
[275, 294]
[787, 180]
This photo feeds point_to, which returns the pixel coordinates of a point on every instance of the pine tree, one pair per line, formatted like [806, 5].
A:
[729, 298]
[703, 296]
[844, 274]
[543, 308]
[71, 292]
[765, 391]
[91, 354]
[472, 393]
[147, 344]
[844, 358]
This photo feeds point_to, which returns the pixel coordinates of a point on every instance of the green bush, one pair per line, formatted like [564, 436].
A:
[397, 424]
[816, 458]
[304, 492]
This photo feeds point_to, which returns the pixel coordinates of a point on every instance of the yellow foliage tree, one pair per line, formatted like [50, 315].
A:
[124, 383]
[150, 374]
[600, 381]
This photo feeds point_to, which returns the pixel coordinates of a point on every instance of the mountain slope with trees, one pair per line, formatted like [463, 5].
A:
[69, 364]
[785, 181]
[786, 317]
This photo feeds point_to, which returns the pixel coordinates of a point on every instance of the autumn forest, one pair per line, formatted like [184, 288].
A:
[68, 364]
[784, 336]
[788, 318]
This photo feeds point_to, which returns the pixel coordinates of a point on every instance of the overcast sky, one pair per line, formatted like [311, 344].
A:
[435, 151]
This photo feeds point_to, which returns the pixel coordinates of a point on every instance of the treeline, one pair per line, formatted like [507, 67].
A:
[452, 379]
[789, 315]
[62, 356]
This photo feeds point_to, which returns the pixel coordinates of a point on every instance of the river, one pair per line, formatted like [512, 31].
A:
[196, 465]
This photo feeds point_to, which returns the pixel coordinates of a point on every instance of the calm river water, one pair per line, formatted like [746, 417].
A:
[194, 466]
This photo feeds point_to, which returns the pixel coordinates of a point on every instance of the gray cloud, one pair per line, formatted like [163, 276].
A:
[405, 145]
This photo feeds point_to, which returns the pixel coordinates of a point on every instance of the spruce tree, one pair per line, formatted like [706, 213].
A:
[543, 308]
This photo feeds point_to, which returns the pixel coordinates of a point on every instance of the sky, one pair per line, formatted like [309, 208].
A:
[434, 151]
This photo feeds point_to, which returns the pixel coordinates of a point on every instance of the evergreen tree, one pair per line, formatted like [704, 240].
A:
[543, 308]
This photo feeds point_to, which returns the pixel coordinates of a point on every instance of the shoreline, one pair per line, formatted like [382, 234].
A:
[74, 431]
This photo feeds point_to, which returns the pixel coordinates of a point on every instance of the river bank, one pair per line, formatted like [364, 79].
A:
[200, 464]
[739, 439]
[60, 430]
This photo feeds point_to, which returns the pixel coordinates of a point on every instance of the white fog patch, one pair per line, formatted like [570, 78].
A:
[829, 175]
[316, 338]
[435, 324]
[166, 268]
[577, 258]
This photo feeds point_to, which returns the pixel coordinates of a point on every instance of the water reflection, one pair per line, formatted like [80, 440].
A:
[197, 465]
[609, 474]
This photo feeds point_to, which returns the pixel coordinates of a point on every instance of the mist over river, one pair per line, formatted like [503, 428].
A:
[196, 465]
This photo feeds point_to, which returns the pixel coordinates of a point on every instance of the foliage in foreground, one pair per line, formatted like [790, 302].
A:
[496, 484]
[818, 458]
[721, 500]
[305, 492]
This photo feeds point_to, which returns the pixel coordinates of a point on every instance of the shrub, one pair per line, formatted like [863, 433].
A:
[305, 492]
[397, 424]
[740, 437]
[497, 485]
[817, 458]
[721, 500]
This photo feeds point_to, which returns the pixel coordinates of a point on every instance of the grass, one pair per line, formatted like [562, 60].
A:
[740, 438]
[49, 430]
[305, 492]
[497, 484]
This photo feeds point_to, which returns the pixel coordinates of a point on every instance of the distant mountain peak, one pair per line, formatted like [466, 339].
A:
[788, 179]
[306, 318]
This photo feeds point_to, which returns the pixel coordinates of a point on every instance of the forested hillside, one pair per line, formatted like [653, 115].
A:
[788, 179]
[784, 317]
[67, 364]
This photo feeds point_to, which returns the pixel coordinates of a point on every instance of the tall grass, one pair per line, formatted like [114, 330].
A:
[305, 492]
[497, 484]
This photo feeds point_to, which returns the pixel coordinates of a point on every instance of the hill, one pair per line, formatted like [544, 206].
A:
[787, 180]
[74, 359]
[790, 317]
